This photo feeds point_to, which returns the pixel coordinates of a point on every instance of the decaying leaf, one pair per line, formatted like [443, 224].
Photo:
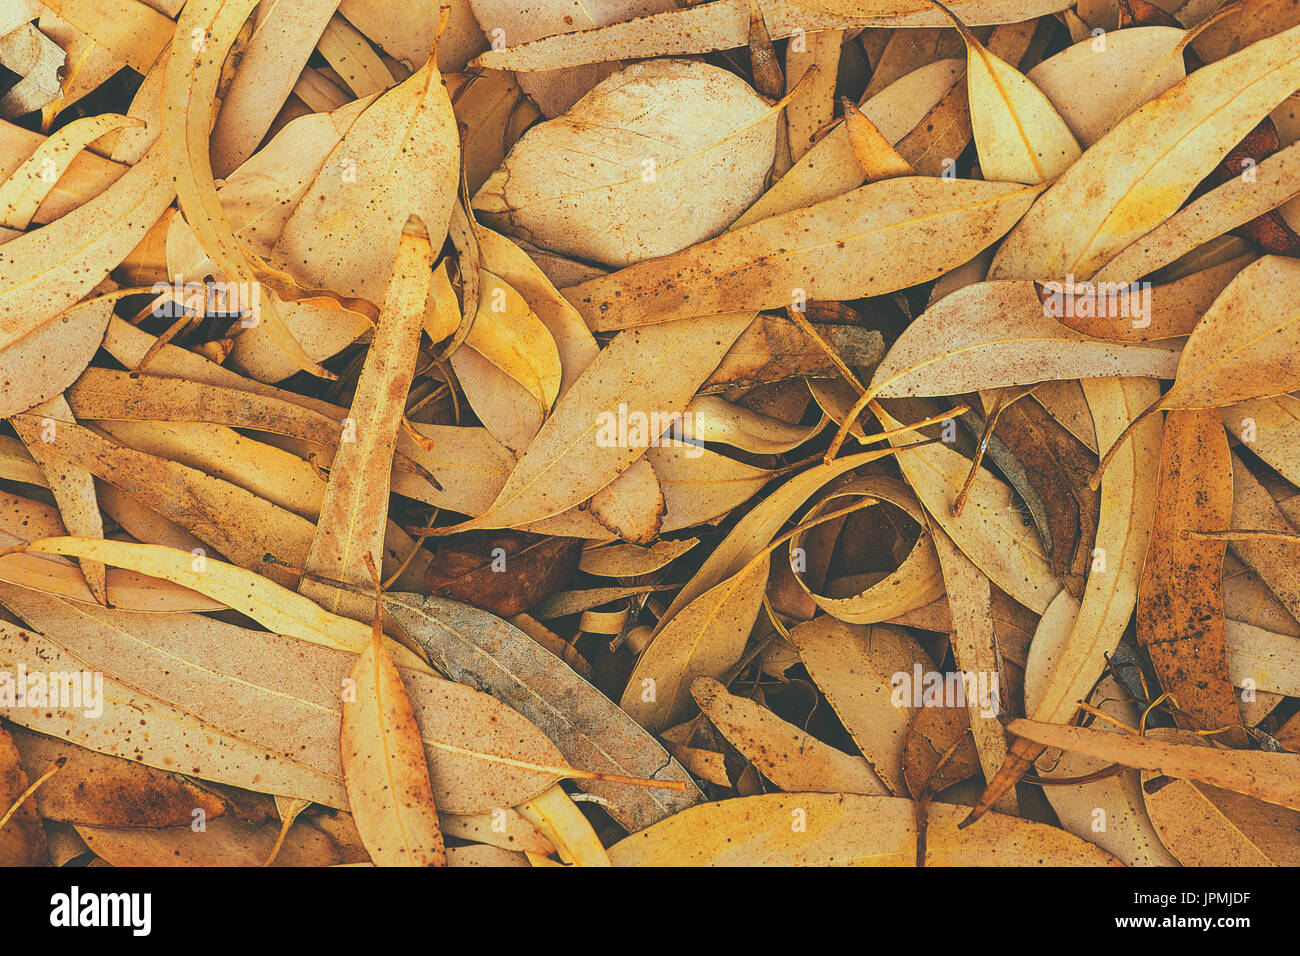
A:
[99, 790]
[590, 439]
[996, 334]
[22, 842]
[1180, 614]
[725, 25]
[504, 572]
[1208, 826]
[47, 271]
[1251, 325]
[344, 234]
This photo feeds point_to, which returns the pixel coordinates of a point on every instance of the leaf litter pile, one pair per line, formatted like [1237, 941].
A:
[742, 433]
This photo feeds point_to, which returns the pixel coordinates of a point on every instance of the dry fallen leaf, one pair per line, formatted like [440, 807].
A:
[787, 756]
[384, 766]
[350, 528]
[1267, 776]
[475, 648]
[1180, 616]
[1021, 138]
[856, 668]
[759, 267]
[22, 843]
[1207, 826]
[812, 829]
[659, 193]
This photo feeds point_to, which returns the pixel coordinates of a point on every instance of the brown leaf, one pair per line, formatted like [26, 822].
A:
[1058, 465]
[1180, 605]
[22, 841]
[505, 572]
[96, 789]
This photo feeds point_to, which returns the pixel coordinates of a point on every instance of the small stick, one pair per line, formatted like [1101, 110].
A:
[810, 330]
